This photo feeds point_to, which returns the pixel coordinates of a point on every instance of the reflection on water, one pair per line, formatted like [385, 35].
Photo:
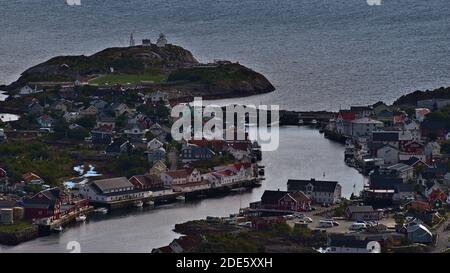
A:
[303, 153]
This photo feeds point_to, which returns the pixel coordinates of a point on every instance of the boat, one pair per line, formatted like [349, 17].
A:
[138, 204]
[150, 203]
[180, 198]
[81, 218]
[58, 229]
[102, 210]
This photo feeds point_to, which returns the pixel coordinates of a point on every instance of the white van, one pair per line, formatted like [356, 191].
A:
[358, 226]
[325, 224]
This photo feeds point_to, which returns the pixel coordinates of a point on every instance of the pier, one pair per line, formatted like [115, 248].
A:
[47, 227]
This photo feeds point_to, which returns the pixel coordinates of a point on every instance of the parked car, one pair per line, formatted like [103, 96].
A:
[325, 224]
[308, 219]
[325, 205]
[289, 217]
[358, 226]
[245, 224]
[299, 215]
[335, 223]
[301, 221]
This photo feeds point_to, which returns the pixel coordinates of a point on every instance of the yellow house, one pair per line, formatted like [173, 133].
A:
[157, 168]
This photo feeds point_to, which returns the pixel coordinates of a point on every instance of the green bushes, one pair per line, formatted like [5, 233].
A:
[19, 157]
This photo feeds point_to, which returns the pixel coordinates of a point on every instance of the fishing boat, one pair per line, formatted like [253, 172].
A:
[81, 218]
[138, 204]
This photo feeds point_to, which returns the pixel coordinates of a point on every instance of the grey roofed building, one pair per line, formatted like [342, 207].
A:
[363, 213]
[384, 179]
[8, 204]
[413, 161]
[99, 104]
[374, 146]
[419, 234]
[353, 209]
[322, 192]
[400, 167]
[113, 184]
[343, 240]
[402, 188]
[319, 185]
[385, 136]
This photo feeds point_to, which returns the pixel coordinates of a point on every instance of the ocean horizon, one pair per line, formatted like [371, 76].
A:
[320, 55]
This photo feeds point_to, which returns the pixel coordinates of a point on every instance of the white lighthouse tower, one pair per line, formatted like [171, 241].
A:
[162, 41]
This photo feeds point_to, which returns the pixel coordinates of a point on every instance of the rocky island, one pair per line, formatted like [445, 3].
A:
[166, 67]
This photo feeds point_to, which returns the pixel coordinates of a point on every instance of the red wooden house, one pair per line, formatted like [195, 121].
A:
[437, 195]
[285, 201]
[412, 147]
[147, 182]
[45, 204]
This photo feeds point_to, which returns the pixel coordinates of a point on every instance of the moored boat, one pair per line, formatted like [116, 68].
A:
[81, 218]
[58, 229]
[180, 198]
[102, 210]
[138, 204]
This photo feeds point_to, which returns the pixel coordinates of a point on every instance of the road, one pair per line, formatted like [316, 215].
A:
[442, 243]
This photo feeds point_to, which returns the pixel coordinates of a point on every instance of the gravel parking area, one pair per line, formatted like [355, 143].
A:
[344, 225]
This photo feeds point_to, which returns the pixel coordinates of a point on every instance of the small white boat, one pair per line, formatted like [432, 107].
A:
[138, 204]
[150, 203]
[180, 198]
[58, 229]
[81, 218]
[102, 210]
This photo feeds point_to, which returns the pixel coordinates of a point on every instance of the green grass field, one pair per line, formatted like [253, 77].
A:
[126, 78]
[17, 226]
